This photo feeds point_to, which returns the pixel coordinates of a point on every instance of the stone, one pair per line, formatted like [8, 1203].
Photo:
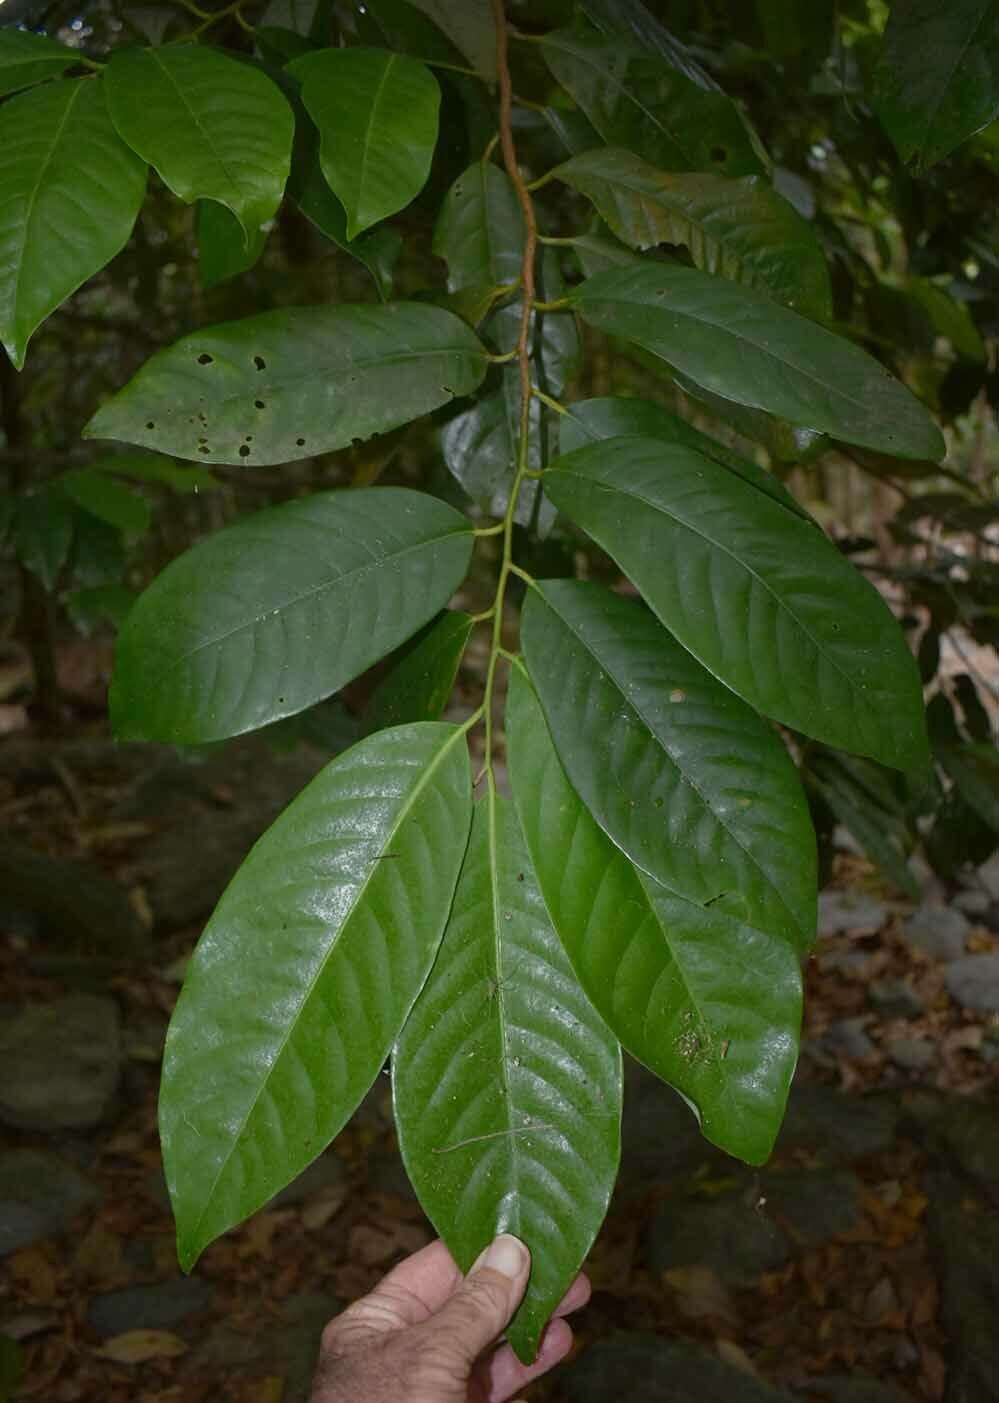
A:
[894, 998]
[288, 1348]
[845, 1038]
[326, 1172]
[729, 1235]
[70, 903]
[841, 911]
[834, 1128]
[939, 931]
[988, 876]
[645, 1368]
[812, 1205]
[973, 902]
[965, 1242]
[660, 1137]
[962, 1132]
[855, 1388]
[973, 982]
[39, 1194]
[157, 1307]
[61, 1064]
[912, 1054]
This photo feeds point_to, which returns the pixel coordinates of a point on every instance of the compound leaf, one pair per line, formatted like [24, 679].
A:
[214, 128]
[307, 971]
[293, 383]
[507, 1085]
[282, 609]
[377, 118]
[710, 1005]
[738, 343]
[759, 596]
[72, 190]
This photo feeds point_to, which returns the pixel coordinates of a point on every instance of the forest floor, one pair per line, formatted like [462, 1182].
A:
[866, 1253]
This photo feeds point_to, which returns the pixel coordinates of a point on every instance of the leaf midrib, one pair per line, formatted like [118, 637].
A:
[203, 131]
[421, 783]
[368, 139]
[34, 195]
[630, 703]
[499, 995]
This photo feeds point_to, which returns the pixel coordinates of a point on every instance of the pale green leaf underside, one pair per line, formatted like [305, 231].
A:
[306, 972]
[737, 229]
[213, 128]
[507, 1086]
[71, 192]
[293, 383]
[281, 610]
[711, 1005]
[763, 600]
[683, 776]
[26, 59]
[740, 344]
[377, 117]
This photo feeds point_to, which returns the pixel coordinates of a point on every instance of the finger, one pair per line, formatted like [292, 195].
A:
[481, 1307]
[575, 1298]
[505, 1374]
[421, 1284]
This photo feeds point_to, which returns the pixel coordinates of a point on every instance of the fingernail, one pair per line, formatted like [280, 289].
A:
[507, 1255]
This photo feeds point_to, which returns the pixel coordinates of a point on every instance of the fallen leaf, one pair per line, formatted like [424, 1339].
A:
[138, 1346]
[34, 1274]
[700, 1294]
[735, 1355]
[323, 1206]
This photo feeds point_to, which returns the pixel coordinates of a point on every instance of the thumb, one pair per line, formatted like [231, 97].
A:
[481, 1307]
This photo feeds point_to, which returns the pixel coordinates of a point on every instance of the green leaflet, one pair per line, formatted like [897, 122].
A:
[760, 597]
[214, 128]
[937, 82]
[640, 101]
[480, 230]
[377, 119]
[306, 972]
[281, 610]
[682, 775]
[738, 229]
[739, 344]
[43, 532]
[418, 687]
[974, 770]
[72, 190]
[222, 251]
[710, 1005]
[108, 500]
[26, 59]
[506, 1084]
[293, 383]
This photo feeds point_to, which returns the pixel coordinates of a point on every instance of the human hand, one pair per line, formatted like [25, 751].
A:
[423, 1334]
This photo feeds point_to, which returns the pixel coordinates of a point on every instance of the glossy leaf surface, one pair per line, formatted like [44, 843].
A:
[738, 229]
[306, 972]
[26, 59]
[590, 420]
[471, 27]
[480, 229]
[377, 118]
[72, 190]
[282, 609]
[293, 383]
[419, 685]
[213, 128]
[712, 1006]
[759, 596]
[506, 1084]
[223, 252]
[741, 345]
[639, 101]
[938, 79]
[684, 777]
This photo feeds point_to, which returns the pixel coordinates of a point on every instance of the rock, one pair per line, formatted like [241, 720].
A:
[326, 1172]
[156, 1307]
[840, 911]
[834, 1128]
[988, 876]
[812, 1205]
[839, 1388]
[965, 1241]
[973, 982]
[729, 1235]
[39, 1194]
[960, 1131]
[912, 1054]
[939, 931]
[846, 1038]
[894, 998]
[70, 903]
[61, 1063]
[660, 1137]
[288, 1348]
[973, 902]
[850, 963]
[645, 1368]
